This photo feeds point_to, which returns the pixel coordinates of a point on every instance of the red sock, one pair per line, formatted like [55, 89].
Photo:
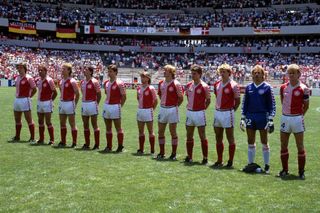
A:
[109, 140]
[51, 132]
[204, 147]
[162, 142]
[284, 159]
[41, 132]
[63, 132]
[120, 138]
[31, 130]
[174, 142]
[232, 150]
[87, 136]
[74, 136]
[152, 141]
[301, 160]
[189, 145]
[220, 147]
[18, 130]
[142, 138]
[97, 137]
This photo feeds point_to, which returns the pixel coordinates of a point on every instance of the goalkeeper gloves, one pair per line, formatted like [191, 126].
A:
[270, 126]
[243, 124]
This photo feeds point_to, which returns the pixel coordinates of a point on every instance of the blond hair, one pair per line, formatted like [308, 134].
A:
[224, 67]
[294, 67]
[171, 69]
[259, 68]
[68, 66]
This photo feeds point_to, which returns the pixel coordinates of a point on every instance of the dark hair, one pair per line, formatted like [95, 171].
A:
[113, 67]
[197, 68]
[90, 68]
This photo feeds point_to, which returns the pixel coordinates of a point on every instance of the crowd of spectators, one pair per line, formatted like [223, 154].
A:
[269, 17]
[179, 42]
[169, 4]
[242, 64]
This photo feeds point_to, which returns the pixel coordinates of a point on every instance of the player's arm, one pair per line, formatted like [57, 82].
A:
[272, 104]
[54, 93]
[155, 99]
[306, 96]
[244, 106]
[180, 94]
[33, 92]
[98, 97]
[76, 91]
[208, 96]
[33, 87]
[123, 94]
[236, 91]
[236, 103]
[98, 91]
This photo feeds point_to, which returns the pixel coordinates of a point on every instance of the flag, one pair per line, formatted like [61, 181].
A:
[104, 29]
[184, 30]
[88, 29]
[205, 31]
[65, 30]
[196, 31]
[22, 27]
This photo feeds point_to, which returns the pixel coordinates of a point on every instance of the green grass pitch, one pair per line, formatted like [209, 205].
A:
[44, 179]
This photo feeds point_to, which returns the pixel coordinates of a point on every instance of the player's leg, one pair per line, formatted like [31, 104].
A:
[204, 143]
[251, 137]
[47, 117]
[28, 117]
[120, 135]
[161, 138]
[94, 123]
[86, 131]
[151, 136]
[18, 122]
[232, 145]
[63, 129]
[189, 143]
[265, 149]
[142, 137]
[108, 123]
[219, 145]
[284, 154]
[41, 127]
[174, 140]
[74, 131]
[301, 153]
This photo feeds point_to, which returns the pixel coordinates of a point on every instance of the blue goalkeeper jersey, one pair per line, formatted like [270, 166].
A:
[259, 99]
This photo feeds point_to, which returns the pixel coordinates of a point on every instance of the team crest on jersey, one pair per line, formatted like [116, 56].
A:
[66, 84]
[171, 89]
[44, 85]
[198, 91]
[146, 93]
[227, 90]
[89, 86]
[297, 93]
[261, 91]
[23, 82]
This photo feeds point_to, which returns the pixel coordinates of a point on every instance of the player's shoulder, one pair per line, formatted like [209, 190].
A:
[204, 84]
[151, 87]
[189, 83]
[282, 86]
[119, 82]
[233, 83]
[216, 83]
[160, 82]
[176, 82]
[28, 76]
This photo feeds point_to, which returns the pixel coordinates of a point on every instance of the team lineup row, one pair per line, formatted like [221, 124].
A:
[257, 111]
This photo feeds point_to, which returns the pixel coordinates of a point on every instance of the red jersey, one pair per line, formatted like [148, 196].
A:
[226, 94]
[146, 96]
[68, 88]
[114, 91]
[169, 92]
[24, 86]
[90, 89]
[293, 98]
[45, 89]
[197, 95]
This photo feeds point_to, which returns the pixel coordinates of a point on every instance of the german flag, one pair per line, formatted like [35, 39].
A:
[65, 30]
[22, 27]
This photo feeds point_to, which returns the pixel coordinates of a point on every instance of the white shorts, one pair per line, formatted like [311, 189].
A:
[112, 111]
[223, 119]
[168, 115]
[196, 118]
[22, 104]
[44, 107]
[292, 124]
[89, 108]
[145, 115]
[67, 107]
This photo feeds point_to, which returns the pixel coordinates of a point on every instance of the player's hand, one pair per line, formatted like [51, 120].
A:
[270, 126]
[243, 124]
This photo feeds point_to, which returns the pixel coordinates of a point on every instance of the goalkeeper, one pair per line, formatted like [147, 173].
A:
[258, 110]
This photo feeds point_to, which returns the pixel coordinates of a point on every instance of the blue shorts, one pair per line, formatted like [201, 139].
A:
[256, 121]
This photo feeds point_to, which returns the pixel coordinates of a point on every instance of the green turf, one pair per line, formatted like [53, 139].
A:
[44, 179]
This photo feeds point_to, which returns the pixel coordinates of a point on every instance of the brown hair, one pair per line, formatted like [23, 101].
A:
[113, 67]
[260, 69]
[197, 69]
[42, 67]
[24, 65]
